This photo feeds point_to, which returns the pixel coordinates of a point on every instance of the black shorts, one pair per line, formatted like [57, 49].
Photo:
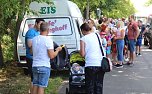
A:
[126, 40]
[29, 65]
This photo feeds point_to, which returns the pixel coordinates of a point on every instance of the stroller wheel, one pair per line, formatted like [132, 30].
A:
[67, 91]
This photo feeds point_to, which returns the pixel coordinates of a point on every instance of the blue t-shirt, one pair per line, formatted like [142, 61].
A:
[31, 33]
[141, 32]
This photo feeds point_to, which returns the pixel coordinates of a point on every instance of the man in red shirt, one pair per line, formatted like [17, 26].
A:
[133, 33]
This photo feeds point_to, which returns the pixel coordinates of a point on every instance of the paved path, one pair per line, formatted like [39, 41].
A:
[128, 80]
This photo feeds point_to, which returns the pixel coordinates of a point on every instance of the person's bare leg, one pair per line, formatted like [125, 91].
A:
[114, 58]
[136, 49]
[140, 49]
[132, 56]
[113, 55]
[40, 90]
[31, 87]
[127, 54]
[108, 55]
[35, 89]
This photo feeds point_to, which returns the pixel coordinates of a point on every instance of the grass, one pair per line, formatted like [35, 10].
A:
[57, 77]
[13, 81]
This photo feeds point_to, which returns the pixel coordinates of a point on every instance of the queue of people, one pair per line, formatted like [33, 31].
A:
[118, 43]
[116, 39]
[122, 39]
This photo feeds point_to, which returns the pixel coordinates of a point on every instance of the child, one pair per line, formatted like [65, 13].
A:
[109, 43]
[104, 41]
[77, 69]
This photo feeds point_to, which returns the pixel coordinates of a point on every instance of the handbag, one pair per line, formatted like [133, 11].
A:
[106, 64]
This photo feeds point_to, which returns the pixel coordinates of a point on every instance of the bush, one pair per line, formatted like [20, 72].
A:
[7, 48]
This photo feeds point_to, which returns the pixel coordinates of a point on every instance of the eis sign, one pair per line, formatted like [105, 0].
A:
[47, 10]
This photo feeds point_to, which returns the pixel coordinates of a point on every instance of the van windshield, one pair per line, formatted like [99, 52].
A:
[57, 26]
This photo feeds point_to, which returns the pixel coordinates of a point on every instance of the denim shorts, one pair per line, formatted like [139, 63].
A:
[139, 42]
[131, 45]
[41, 76]
[108, 50]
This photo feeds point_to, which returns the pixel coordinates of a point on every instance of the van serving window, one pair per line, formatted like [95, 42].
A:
[57, 26]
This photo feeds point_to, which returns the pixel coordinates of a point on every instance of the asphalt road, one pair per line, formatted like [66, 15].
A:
[128, 80]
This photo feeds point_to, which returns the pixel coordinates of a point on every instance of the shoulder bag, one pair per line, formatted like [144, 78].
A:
[106, 63]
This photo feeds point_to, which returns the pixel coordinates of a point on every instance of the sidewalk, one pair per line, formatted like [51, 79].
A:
[128, 80]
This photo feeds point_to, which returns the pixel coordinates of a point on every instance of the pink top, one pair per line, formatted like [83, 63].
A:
[132, 30]
[119, 32]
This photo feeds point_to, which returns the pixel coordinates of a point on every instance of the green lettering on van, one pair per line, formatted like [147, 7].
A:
[53, 10]
[47, 10]
[43, 10]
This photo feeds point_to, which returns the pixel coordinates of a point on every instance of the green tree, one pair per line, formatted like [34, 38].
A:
[82, 4]
[149, 2]
[11, 14]
[118, 8]
[110, 8]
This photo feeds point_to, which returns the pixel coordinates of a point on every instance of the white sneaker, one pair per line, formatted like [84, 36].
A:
[126, 59]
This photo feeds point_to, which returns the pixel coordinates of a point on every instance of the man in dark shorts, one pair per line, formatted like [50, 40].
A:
[139, 39]
[31, 33]
[133, 33]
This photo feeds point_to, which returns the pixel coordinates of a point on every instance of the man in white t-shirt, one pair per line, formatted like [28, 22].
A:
[43, 51]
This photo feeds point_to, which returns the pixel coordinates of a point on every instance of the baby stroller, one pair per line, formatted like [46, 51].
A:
[76, 78]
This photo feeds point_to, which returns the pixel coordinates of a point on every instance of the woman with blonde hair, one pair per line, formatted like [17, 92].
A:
[120, 34]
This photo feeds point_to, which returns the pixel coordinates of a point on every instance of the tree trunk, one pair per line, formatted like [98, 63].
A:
[87, 16]
[15, 39]
[1, 56]
[18, 23]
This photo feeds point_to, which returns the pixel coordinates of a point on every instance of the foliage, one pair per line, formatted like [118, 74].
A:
[11, 14]
[110, 8]
[149, 2]
[7, 46]
[118, 8]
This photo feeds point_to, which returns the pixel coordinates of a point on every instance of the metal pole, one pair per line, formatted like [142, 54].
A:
[87, 16]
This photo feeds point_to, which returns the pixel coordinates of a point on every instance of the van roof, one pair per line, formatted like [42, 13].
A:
[55, 8]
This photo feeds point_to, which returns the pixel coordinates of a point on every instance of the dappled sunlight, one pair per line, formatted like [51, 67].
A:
[2, 76]
[147, 50]
[2, 79]
[120, 71]
[114, 75]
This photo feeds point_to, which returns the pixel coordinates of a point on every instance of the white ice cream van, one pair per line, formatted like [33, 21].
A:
[64, 18]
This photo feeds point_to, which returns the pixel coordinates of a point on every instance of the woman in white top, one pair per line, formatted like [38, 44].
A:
[90, 49]
[120, 34]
